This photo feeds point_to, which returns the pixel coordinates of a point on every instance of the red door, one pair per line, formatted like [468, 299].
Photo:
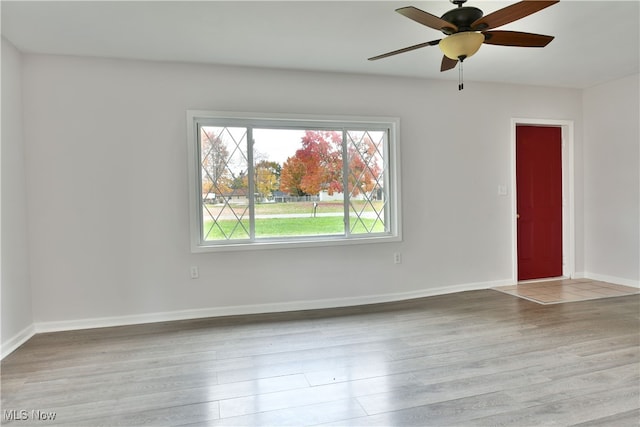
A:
[539, 200]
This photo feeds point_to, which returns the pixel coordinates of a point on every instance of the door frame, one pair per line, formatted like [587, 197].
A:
[568, 202]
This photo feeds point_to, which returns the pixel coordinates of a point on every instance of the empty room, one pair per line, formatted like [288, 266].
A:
[296, 213]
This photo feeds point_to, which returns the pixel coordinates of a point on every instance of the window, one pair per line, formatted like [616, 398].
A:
[264, 181]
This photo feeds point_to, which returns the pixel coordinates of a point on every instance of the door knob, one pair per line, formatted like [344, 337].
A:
[517, 216]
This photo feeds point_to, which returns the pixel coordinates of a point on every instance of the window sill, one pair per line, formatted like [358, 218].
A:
[295, 243]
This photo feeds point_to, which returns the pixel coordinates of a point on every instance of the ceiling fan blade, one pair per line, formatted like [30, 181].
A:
[426, 18]
[406, 49]
[448, 63]
[516, 38]
[511, 13]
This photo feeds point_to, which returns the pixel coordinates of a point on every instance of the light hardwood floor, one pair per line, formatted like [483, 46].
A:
[566, 290]
[467, 359]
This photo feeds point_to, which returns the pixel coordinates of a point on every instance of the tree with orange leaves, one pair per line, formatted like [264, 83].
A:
[291, 177]
[315, 167]
[318, 165]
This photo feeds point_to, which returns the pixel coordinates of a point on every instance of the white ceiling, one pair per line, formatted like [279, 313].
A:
[596, 41]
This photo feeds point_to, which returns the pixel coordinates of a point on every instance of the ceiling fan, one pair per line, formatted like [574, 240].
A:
[466, 29]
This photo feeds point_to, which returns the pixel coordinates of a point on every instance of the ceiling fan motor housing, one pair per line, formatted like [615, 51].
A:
[462, 17]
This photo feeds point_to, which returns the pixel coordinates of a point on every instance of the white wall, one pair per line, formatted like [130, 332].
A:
[612, 181]
[105, 137]
[15, 289]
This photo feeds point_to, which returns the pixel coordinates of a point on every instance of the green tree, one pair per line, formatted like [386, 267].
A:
[240, 181]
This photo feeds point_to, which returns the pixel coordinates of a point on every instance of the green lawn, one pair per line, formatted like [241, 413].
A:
[301, 226]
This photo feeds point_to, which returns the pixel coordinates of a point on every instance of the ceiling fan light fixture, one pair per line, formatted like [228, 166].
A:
[461, 45]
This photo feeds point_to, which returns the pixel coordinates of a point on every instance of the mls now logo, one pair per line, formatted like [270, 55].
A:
[15, 415]
[24, 415]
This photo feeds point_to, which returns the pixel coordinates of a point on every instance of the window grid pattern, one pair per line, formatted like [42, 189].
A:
[223, 165]
[238, 189]
[366, 172]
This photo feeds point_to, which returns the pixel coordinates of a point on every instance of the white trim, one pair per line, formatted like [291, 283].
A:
[392, 175]
[544, 279]
[17, 340]
[103, 322]
[568, 199]
[609, 279]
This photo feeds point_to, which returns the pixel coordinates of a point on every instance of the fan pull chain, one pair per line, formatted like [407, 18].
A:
[460, 77]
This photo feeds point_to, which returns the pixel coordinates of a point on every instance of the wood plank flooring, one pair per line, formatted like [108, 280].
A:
[468, 359]
[566, 290]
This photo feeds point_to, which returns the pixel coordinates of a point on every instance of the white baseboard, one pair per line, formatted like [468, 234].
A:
[103, 322]
[610, 279]
[17, 340]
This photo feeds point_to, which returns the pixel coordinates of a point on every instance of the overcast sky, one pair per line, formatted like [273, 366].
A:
[280, 144]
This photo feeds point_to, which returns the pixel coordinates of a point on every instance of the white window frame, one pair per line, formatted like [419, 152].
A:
[392, 156]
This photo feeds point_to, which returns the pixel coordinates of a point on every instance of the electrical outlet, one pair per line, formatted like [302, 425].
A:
[194, 272]
[397, 259]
